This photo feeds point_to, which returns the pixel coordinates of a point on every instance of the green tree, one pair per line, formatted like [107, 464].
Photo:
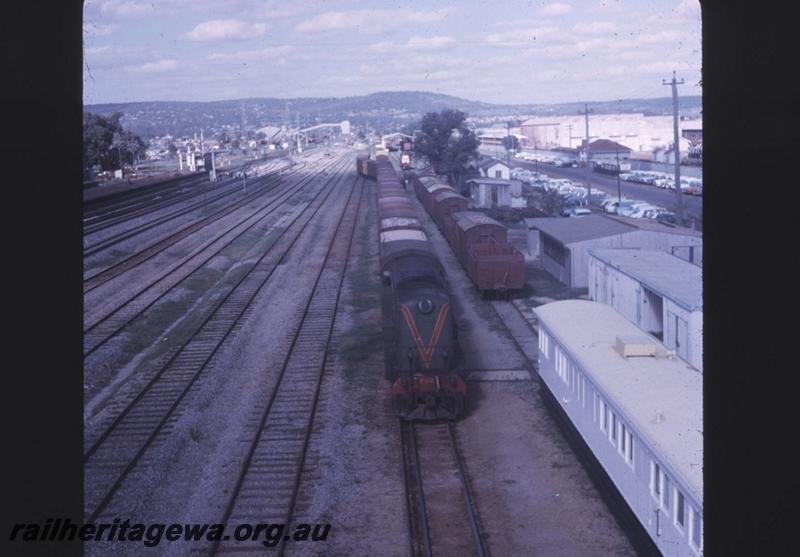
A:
[106, 143]
[511, 142]
[447, 143]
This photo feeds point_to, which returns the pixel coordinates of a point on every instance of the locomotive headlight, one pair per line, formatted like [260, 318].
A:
[425, 306]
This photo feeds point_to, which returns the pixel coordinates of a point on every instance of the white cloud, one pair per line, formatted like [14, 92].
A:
[157, 66]
[555, 9]
[522, 36]
[369, 21]
[252, 55]
[225, 30]
[107, 57]
[666, 38]
[688, 9]
[663, 67]
[595, 28]
[414, 44]
[99, 29]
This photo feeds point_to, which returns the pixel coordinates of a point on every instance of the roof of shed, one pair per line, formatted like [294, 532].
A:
[491, 162]
[640, 386]
[665, 274]
[569, 231]
[655, 226]
[490, 181]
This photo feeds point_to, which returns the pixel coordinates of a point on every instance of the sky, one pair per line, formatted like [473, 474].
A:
[501, 51]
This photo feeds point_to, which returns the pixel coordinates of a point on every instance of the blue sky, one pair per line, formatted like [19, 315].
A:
[504, 51]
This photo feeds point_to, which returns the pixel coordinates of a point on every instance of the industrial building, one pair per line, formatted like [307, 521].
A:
[636, 131]
[561, 243]
[638, 411]
[658, 292]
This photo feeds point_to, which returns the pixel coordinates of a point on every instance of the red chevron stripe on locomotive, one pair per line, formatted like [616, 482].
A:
[425, 351]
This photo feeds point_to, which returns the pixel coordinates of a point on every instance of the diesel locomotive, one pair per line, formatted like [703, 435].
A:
[421, 352]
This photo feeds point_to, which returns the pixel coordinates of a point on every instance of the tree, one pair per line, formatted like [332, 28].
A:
[447, 142]
[106, 143]
[511, 143]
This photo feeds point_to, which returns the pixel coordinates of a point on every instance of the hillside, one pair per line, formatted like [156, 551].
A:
[382, 111]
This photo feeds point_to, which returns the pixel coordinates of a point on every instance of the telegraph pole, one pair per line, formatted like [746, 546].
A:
[508, 144]
[619, 187]
[676, 148]
[588, 167]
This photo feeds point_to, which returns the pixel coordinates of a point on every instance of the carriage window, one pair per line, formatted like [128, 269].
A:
[679, 508]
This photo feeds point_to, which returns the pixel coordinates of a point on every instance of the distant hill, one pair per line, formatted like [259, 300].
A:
[382, 111]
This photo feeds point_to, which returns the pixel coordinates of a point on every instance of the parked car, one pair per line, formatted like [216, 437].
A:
[580, 212]
[653, 212]
[611, 206]
[639, 211]
[667, 219]
[627, 206]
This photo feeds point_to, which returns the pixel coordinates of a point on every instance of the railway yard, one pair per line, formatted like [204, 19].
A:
[233, 373]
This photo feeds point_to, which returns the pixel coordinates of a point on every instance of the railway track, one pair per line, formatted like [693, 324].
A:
[110, 202]
[124, 438]
[268, 482]
[524, 335]
[115, 239]
[194, 189]
[138, 210]
[101, 277]
[441, 513]
[114, 321]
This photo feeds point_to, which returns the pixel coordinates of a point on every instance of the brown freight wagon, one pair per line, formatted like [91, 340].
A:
[495, 268]
[444, 203]
[471, 227]
[391, 206]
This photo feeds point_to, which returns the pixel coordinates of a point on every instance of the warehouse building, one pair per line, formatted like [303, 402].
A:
[656, 291]
[561, 243]
[635, 409]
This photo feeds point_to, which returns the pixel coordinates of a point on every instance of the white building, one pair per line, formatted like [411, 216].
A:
[636, 131]
[656, 291]
[493, 168]
[562, 243]
[639, 415]
[490, 192]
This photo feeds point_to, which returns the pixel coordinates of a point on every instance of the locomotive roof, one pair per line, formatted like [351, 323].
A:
[466, 220]
[644, 388]
[416, 267]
